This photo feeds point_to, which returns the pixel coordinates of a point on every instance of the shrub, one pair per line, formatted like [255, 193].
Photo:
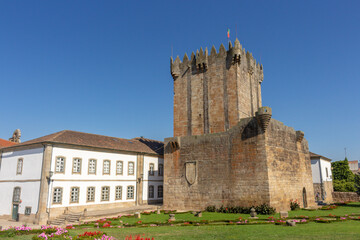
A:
[294, 205]
[210, 209]
[265, 209]
[262, 209]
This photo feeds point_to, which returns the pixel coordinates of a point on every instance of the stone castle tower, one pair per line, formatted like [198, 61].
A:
[213, 92]
[226, 149]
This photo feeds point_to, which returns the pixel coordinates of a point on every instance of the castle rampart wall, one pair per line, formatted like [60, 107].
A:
[212, 92]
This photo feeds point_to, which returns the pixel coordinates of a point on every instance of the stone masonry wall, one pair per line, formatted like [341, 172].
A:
[231, 169]
[346, 196]
[212, 92]
[289, 167]
[241, 167]
[325, 191]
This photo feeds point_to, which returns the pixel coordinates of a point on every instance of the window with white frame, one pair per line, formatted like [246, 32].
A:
[151, 191]
[27, 210]
[151, 169]
[118, 192]
[60, 165]
[77, 165]
[74, 195]
[105, 193]
[19, 166]
[160, 191]
[327, 173]
[91, 194]
[106, 167]
[131, 168]
[57, 196]
[92, 166]
[119, 167]
[161, 170]
[130, 192]
[16, 194]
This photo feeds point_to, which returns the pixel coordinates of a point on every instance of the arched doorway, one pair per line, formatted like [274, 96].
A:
[304, 198]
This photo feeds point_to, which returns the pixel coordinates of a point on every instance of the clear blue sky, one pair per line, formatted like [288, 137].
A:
[103, 66]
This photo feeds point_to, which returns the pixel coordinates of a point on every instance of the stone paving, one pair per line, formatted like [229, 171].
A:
[91, 215]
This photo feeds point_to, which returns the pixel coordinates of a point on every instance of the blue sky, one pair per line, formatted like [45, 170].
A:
[103, 66]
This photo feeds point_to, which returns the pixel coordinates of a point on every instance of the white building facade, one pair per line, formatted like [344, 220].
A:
[322, 177]
[72, 171]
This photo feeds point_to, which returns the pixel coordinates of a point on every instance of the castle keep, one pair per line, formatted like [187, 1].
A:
[226, 149]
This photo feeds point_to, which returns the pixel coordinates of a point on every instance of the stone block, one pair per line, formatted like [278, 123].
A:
[290, 223]
[284, 214]
[137, 215]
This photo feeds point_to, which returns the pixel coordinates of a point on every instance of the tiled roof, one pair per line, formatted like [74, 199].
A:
[314, 155]
[98, 141]
[156, 146]
[6, 143]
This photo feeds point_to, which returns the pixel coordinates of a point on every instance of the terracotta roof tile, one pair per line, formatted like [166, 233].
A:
[314, 155]
[6, 143]
[99, 141]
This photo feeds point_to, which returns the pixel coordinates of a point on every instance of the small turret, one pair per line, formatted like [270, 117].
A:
[202, 60]
[175, 67]
[263, 116]
[236, 52]
[299, 136]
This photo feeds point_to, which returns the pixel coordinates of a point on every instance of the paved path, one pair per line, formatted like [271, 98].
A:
[92, 215]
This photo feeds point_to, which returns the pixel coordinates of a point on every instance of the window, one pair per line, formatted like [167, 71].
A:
[106, 167]
[60, 165]
[19, 166]
[105, 192]
[151, 169]
[327, 173]
[27, 210]
[57, 196]
[119, 167]
[160, 191]
[151, 191]
[77, 165]
[161, 170]
[16, 194]
[92, 166]
[130, 192]
[91, 194]
[118, 192]
[74, 195]
[131, 168]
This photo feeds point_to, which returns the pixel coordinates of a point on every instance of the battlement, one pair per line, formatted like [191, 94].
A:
[200, 61]
[213, 91]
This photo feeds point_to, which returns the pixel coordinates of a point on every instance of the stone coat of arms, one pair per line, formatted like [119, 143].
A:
[190, 172]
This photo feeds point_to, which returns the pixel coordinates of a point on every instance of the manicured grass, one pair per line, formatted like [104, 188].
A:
[349, 229]
[338, 230]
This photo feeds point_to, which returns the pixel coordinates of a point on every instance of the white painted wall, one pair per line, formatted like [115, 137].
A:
[68, 179]
[326, 164]
[319, 165]
[353, 165]
[28, 181]
[315, 169]
[155, 180]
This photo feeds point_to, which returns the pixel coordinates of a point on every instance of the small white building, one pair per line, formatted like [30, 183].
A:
[322, 177]
[354, 166]
[72, 171]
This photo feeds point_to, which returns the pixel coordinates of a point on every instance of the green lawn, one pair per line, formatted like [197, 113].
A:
[349, 229]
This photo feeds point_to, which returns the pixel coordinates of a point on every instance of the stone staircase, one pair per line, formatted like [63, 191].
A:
[69, 218]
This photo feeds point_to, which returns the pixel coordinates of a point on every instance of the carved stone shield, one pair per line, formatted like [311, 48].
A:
[190, 172]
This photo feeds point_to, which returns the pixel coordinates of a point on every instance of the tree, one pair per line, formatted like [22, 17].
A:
[341, 171]
[342, 176]
[357, 183]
